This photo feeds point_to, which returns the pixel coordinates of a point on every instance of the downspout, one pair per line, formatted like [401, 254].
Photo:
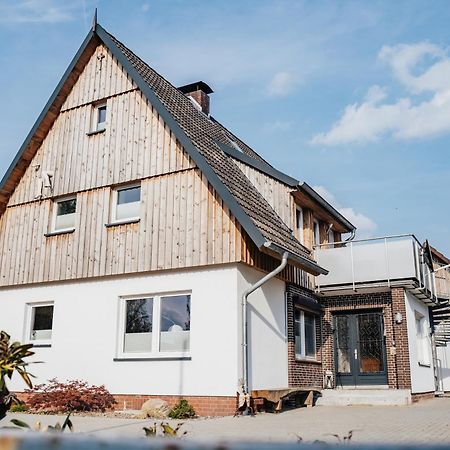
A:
[244, 304]
[352, 236]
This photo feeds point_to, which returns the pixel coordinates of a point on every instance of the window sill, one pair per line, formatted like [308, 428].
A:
[40, 344]
[303, 359]
[122, 222]
[59, 232]
[422, 364]
[93, 133]
[175, 357]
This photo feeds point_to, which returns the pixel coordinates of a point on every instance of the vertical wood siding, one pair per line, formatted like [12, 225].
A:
[277, 194]
[183, 224]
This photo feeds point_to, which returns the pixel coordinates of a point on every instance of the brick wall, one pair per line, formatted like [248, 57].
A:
[397, 352]
[204, 406]
[302, 373]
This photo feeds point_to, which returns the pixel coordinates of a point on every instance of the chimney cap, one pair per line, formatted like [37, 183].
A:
[197, 86]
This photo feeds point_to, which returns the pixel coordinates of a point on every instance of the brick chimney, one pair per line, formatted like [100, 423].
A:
[199, 92]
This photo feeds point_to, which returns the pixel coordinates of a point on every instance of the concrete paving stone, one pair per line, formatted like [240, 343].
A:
[425, 422]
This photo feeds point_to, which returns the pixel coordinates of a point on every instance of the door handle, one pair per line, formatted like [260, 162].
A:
[356, 353]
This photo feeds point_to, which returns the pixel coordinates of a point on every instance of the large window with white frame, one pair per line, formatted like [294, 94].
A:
[39, 324]
[126, 204]
[155, 326]
[423, 353]
[64, 214]
[299, 224]
[304, 334]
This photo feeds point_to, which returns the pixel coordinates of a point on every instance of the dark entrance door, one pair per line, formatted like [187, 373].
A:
[360, 351]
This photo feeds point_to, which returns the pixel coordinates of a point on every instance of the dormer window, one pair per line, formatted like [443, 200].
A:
[99, 118]
[64, 214]
[126, 204]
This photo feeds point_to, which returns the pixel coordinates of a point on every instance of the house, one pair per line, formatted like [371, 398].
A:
[377, 302]
[145, 247]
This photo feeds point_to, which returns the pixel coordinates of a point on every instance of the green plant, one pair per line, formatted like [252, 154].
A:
[12, 359]
[58, 428]
[167, 430]
[18, 407]
[182, 410]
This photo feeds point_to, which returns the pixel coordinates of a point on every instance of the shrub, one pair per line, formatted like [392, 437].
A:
[75, 395]
[18, 407]
[182, 410]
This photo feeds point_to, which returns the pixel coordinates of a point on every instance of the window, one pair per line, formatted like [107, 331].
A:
[299, 224]
[126, 204]
[155, 326]
[423, 354]
[316, 233]
[99, 117]
[64, 214]
[330, 238]
[305, 334]
[40, 323]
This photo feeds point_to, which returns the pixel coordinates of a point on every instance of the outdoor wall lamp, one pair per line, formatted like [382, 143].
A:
[398, 318]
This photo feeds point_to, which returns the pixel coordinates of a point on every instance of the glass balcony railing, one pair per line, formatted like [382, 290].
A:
[385, 260]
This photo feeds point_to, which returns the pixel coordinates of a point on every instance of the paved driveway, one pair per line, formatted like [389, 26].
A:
[425, 422]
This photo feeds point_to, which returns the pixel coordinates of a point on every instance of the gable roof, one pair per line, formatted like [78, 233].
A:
[197, 133]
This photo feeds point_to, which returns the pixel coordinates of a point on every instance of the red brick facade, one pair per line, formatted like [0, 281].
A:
[302, 373]
[397, 351]
[204, 406]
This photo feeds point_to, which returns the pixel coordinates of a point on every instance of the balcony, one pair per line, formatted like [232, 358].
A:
[373, 263]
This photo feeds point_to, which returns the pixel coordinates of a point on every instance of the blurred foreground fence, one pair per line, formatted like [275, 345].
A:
[34, 441]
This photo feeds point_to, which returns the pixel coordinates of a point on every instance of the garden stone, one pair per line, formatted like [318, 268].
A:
[156, 408]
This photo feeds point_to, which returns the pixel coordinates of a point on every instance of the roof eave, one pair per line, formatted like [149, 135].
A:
[303, 262]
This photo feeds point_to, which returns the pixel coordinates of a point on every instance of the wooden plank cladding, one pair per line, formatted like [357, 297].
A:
[102, 77]
[135, 144]
[183, 224]
[277, 194]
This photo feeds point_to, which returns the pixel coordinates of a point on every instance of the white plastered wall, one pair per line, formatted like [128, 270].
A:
[443, 354]
[268, 350]
[85, 332]
[422, 376]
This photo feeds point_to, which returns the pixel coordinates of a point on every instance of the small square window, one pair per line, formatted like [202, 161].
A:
[126, 204]
[64, 214]
[99, 117]
[41, 323]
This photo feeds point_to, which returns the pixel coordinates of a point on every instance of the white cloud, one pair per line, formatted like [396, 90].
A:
[281, 84]
[366, 227]
[409, 117]
[35, 11]
[145, 7]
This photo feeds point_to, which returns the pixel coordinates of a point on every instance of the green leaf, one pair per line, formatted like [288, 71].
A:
[19, 423]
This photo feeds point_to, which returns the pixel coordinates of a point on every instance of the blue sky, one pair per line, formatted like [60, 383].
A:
[352, 97]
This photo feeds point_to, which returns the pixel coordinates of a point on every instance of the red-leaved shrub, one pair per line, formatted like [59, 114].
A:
[75, 395]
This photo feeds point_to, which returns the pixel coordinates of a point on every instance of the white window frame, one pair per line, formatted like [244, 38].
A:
[156, 328]
[423, 353]
[330, 238]
[55, 214]
[300, 224]
[29, 318]
[95, 124]
[303, 355]
[316, 232]
[114, 204]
